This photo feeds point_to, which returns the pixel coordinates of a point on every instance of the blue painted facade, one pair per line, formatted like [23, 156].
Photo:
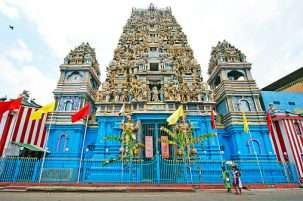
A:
[238, 145]
[62, 165]
[65, 141]
[233, 145]
[282, 101]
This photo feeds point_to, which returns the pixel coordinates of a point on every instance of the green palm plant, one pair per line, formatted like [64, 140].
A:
[129, 147]
[185, 140]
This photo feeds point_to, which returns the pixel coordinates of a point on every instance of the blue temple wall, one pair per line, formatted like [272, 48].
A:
[65, 141]
[64, 165]
[238, 145]
[107, 126]
[110, 125]
[253, 153]
[282, 100]
[90, 141]
[232, 141]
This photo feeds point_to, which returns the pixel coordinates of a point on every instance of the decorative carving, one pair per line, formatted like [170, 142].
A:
[155, 94]
[225, 52]
[83, 54]
[153, 62]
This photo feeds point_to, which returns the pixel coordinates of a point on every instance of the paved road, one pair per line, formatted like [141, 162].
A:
[210, 195]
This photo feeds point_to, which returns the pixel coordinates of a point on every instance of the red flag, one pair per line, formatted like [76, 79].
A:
[269, 123]
[83, 112]
[13, 104]
[213, 120]
[3, 108]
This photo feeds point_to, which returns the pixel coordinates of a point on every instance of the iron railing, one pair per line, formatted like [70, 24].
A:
[155, 171]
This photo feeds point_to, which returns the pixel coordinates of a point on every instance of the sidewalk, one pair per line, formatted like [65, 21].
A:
[67, 187]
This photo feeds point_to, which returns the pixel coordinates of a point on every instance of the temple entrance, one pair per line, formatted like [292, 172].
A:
[151, 138]
[157, 154]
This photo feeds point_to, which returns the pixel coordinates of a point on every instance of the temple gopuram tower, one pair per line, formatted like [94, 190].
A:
[77, 85]
[152, 73]
[235, 93]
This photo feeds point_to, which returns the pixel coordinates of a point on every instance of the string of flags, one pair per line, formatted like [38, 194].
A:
[15, 104]
[83, 112]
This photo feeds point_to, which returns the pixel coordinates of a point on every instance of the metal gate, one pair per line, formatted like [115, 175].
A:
[157, 155]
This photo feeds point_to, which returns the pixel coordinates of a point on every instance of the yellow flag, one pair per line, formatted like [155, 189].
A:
[49, 107]
[245, 123]
[172, 119]
[36, 115]
[45, 109]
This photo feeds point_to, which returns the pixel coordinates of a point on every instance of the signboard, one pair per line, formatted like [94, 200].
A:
[149, 147]
[164, 147]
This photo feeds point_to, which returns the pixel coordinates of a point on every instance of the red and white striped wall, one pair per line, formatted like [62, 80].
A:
[17, 127]
[287, 141]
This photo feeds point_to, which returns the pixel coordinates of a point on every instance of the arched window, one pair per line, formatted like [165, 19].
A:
[68, 105]
[253, 146]
[235, 75]
[244, 105]
[62, 143]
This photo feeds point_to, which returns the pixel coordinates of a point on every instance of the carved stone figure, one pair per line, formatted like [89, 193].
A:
[195, 92]
[167, 95]
[184, 92]
[155, 94]
[118, 94]
[183, 126]
[145, 92]
[129, 124]
[125, 95]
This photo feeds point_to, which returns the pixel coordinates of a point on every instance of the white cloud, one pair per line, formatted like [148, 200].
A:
[263, 30]
[15, 79]
[20, 52]
[8, 10]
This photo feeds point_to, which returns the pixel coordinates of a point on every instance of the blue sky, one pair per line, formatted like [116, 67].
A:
[269, 32]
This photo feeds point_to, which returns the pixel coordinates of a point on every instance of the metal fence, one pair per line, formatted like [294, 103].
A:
[156, 171]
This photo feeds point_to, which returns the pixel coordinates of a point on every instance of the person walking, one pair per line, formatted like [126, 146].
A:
[226, 179]
[237, 180]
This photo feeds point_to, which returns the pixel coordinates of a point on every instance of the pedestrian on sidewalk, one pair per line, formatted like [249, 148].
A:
[226, 179]
[237, 180]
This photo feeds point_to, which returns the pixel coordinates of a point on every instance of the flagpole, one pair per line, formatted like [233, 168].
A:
[217, 137]
[254, 150]
[188, 157]
[44, 146]
[122, 158]
[219, 146]
[82, 150]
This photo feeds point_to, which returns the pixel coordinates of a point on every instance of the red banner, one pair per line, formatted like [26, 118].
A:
[149, 147]
[164, 147]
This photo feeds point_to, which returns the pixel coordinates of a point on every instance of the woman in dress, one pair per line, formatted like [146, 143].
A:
[226, 179]
[236, 180]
